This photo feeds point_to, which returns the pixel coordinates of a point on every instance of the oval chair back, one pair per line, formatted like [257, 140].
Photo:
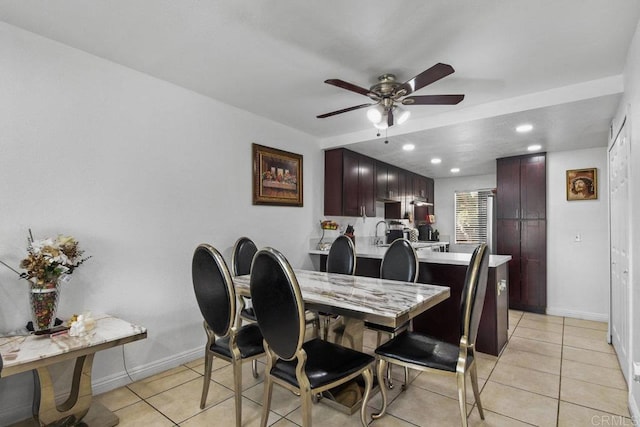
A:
[242, 255]
[277, 302]
[342, 256]
[473, 293]
[214, 290]
[400, 262]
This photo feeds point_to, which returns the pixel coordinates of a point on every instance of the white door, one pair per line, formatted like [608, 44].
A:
[620, 230]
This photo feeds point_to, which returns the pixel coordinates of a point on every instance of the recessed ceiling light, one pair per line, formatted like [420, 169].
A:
[436, 161]
[408, 147]
[524, 128]
[535, 147]
[455, 170]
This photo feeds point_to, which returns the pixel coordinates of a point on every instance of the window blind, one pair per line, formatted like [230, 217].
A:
[471, 216]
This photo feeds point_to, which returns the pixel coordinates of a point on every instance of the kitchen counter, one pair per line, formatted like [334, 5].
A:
[425, 254]
[448, 269]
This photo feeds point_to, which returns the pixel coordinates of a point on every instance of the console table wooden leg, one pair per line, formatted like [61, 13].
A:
[72, 410]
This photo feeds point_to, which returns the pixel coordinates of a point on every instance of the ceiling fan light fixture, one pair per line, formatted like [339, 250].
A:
[382, 125]
[375, 113]
[402, 115]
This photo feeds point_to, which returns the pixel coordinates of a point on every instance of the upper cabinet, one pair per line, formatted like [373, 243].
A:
[350, 184]
[522, 187]
[354, 182]
[386, 182]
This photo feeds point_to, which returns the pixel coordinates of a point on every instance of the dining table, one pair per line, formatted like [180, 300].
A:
[358, 299]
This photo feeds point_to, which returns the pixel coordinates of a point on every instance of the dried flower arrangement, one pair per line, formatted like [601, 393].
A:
[48, 259]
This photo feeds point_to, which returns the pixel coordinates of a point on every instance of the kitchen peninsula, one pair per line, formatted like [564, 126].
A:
[448, 269]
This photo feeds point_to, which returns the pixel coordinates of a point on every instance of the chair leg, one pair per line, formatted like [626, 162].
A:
[305, 396]
[237, 385]
[389, 381]
[208, 363]
[266, 400]
[462, 397]
[406, 379]
[380, 372]
[476, 392]
[254, 368]
[368, 383]
[325, 331]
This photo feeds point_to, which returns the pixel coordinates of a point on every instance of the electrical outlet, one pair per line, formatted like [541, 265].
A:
[502, 286]
[577, 238]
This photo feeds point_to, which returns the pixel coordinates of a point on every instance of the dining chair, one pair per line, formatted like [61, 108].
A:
[216, 298]
[305, 368]
[243, 251]
[419, 351]
[399, 262]
[241, 257]
[342, 260]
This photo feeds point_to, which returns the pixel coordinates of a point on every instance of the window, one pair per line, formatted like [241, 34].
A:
[471, 216]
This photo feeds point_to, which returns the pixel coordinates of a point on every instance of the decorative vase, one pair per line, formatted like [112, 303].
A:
[44, 304]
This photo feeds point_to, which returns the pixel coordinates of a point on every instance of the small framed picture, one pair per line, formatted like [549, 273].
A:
[277, 177]
[582, 184]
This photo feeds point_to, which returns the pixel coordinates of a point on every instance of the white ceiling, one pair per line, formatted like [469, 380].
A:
[554, 63]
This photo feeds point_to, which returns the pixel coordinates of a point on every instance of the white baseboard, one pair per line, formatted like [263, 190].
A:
[110, 382]
[584, 315]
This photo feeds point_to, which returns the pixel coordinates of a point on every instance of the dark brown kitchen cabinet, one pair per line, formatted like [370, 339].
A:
[521, 228]
[350, 184]
[382, 179]
[522, 187]
[386, 182]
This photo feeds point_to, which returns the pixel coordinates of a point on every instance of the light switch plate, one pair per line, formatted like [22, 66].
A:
[636, 371]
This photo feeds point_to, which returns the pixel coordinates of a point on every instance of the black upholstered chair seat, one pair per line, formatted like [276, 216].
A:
[249, 342]
[423, 350]
[326, 363]
[248, 314]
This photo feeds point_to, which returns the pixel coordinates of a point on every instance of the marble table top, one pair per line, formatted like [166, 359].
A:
[426, 256]
[23, 353]
[383, 302]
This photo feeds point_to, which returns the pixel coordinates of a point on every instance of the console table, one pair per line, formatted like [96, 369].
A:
[38, 353]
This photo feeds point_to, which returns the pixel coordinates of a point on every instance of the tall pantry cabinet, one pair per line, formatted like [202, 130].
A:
[521, 228]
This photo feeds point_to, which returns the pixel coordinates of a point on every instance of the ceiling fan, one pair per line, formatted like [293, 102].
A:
[388, 93]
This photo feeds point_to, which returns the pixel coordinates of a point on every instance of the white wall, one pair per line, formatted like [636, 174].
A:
[577, 272]
[140, 171]
[444, 200]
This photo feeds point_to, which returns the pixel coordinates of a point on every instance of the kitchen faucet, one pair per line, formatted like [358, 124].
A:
[380, 240]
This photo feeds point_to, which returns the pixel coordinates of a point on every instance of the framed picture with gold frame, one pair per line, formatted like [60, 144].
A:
[277, 177]
[582, 184]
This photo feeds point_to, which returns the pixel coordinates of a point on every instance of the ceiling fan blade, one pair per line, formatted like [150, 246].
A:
[344, 110]
[427, 77]
[348, 86]
[390, 118]
[433, 100]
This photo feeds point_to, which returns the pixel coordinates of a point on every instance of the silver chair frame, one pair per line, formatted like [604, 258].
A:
[466, 349]
[305, 391]
[236, 359]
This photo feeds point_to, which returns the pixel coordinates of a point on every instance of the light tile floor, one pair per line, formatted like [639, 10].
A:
[555, 371]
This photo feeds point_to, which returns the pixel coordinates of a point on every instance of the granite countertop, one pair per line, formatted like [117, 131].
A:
[426, 255]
